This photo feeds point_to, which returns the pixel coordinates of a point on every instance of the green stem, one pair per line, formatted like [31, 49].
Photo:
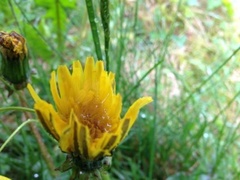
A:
[16, 108]
[104, 10]
[93, 25]
[15, 132]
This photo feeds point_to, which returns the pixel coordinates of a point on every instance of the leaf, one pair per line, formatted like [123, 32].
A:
[37, 44]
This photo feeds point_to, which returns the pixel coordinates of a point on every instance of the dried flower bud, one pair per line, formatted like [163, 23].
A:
[14, 62]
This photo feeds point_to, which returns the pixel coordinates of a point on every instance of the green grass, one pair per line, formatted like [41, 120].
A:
[183, 54]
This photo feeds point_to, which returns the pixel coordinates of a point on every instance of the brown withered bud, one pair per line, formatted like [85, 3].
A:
[14, 62]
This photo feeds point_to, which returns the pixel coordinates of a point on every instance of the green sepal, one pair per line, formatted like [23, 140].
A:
[15, 71]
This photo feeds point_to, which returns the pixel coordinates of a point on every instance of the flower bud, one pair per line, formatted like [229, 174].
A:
[14, 62]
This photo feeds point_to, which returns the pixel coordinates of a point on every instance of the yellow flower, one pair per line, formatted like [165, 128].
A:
[4, 178]
[87, 120]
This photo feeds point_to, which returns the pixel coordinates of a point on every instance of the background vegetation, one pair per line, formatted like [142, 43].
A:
[182, 53]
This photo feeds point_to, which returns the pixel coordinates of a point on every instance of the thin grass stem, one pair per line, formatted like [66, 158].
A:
[104, 10]
[93, 24]
[16, 131]
[17, 108]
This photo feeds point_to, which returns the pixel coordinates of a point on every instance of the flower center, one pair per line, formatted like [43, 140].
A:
[95, 116]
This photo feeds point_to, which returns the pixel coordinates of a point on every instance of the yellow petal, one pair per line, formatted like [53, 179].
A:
[61, 91]
[33, 93]
[64, 81]
[99, 69]
[77, 77]
[66, 142]
[49, 119]
[88, 71]
[76, 138]
[115, 108]
[132, 114]
[82, 135]
[54, 89]
[112, 142]
[105, 90]
[103, 147]
[4, 178]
